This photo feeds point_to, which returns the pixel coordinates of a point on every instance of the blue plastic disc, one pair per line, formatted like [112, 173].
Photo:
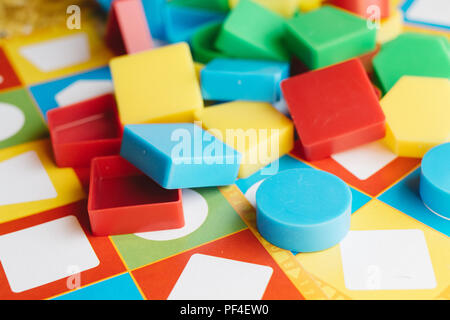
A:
[435, 180]
[303, 210]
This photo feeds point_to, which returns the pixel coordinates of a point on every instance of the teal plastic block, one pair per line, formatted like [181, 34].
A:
[328, 36]
[237, 79]
[253, 32]
[303, 210]
[180, 155]
[435, 180]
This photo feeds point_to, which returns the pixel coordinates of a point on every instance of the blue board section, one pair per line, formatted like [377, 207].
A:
[180, 155]
[405, 196]
[407, 6]
[155, 14]
[182, 22]
[44, 94]
[118, 288]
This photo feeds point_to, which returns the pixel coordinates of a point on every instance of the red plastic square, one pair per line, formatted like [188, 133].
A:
[127, 29]
[334, 109]
[8, 78]
[85, 130]
[365, 8]
[241, 246]
[110, 262]
[123, 200]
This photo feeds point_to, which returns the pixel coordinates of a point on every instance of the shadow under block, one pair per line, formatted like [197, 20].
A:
[123, 200]
[285, 8]
[412, 54]
[127, 29]
[334, 109]
[236, 79]
[328, 36]
[159, 85]
[202, 43]
[262, 37]
[417, 115]
[435, 180]
[180, 155]
[303, 210]
[255, 129]
[365, 8]
[85, 130]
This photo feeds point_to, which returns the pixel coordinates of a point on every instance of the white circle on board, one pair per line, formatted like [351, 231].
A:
[1, 79]
[195, 210]
[251, 193]
[12, 120]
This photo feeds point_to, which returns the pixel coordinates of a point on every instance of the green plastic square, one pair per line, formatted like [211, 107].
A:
[220, 220]
[412, 54]
[253, 32]
[214, 5]
[327, 36]
[20, 120]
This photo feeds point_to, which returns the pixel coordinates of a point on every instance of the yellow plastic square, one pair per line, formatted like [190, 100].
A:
[286, 8]
[390, 27]
[327, 265]
[64, 181]
[255, 129]
[417, 115]
[158, 85]
[309, 5]
[97, 55]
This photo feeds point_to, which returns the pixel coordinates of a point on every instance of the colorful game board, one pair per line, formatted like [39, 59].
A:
[403, 247]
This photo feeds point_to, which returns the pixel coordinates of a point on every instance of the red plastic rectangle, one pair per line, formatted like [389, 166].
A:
[127, 29]
[85, 130]
[123, 200]
[8, 78]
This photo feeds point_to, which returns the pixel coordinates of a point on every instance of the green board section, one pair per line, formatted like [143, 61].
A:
[202, 43]
[222, 220]
[214, 5]
[253, 32]
[21, 120]
[328, 36]
[412, 54]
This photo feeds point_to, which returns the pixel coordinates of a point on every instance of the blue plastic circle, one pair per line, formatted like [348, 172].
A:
[303, 210]
[435, 180]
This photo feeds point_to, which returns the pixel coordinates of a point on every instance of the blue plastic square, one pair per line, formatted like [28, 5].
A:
[182, 22]
[118, 288]
[405, 196]
[180, 155]
[155, 13]
[105, 4]
[237, 79]
[45, 93]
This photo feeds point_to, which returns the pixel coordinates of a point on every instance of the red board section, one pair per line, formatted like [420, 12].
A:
[8, 78]
[85, 130]
[123, 200]
[334, 109]
[127, 29]
[242, 246]
[365, 8]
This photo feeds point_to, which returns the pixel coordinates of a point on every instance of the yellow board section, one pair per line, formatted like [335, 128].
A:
[32, 165]
[417, 113]
[286, 8]
[328, 265]
[56, 52]
[309, 5]
[158, 85]
[390, 27]
[255, 129]
[198, 69]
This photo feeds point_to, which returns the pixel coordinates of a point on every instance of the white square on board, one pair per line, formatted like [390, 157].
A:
[83, 90]
[212, 278]
[430, 11]
[366, 160]
[45, 253]
[24, 179]
[387, 260]
[58, 53]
